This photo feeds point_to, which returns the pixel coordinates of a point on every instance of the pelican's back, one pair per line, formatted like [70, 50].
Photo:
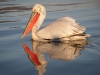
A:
[63, 27]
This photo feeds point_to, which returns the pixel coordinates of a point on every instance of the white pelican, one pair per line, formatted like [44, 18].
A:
[63, 28]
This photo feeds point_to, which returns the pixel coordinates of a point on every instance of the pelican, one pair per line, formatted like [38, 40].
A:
[63, 28]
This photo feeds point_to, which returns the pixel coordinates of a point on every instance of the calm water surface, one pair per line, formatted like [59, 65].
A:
[55, 58]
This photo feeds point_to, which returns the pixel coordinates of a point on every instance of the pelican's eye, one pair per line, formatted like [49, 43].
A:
[34, 10]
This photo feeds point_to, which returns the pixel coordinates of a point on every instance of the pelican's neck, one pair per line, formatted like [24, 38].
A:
[37, 26]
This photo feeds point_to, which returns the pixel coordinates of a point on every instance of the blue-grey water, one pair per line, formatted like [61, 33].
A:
[14, 15]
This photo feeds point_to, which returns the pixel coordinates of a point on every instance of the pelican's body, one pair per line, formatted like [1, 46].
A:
[63, 28]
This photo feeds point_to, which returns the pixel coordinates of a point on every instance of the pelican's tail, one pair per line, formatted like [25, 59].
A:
[87, 35]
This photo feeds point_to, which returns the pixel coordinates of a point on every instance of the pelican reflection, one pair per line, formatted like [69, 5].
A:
[56, 50]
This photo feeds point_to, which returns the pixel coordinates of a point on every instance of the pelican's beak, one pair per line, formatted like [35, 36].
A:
[32, 21]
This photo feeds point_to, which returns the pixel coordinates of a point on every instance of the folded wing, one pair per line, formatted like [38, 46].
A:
[63, 27]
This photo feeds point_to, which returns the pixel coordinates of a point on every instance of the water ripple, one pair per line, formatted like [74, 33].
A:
[9, 21]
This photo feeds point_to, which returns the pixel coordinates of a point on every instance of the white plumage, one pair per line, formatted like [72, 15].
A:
[62, 28]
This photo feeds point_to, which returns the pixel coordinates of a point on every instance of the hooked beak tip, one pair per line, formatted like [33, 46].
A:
[22, 36]
[22, 43]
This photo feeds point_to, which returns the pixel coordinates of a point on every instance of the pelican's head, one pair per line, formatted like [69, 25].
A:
[38, 8]
[37, 12]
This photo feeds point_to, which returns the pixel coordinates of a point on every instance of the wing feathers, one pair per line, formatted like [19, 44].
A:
[63, 27]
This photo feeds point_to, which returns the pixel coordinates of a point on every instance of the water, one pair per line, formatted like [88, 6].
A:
[14, 16]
